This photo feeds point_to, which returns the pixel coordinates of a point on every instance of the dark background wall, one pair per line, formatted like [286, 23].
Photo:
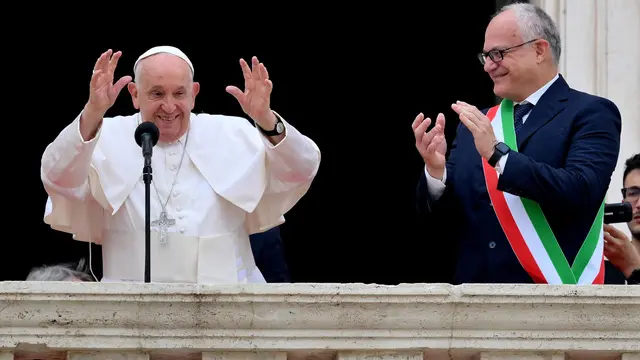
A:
[351, 82]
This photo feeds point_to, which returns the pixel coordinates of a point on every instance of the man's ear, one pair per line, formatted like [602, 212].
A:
[542, 48]
[195, 89]
[133, 90]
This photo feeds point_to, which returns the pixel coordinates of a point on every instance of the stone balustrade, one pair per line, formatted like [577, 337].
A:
[317, 321]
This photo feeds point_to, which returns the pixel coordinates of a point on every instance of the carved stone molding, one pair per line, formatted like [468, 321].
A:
[325, 321]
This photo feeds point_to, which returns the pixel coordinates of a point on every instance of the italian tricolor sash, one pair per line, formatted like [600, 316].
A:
[527, 229]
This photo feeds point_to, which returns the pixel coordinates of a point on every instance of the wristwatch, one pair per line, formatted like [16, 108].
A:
[501, 149]
[277, 130]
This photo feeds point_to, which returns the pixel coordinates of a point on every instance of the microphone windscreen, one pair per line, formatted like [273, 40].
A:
[147, 127]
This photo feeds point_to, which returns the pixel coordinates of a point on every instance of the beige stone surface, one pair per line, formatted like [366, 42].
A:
[322, 321]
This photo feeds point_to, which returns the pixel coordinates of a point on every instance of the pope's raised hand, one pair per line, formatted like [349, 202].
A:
[431, 145]
[102, 90]
[255, 99]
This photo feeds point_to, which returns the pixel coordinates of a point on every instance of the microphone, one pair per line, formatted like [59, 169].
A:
[147, 135]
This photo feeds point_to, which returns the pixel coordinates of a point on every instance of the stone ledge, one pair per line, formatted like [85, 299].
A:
[301, 317]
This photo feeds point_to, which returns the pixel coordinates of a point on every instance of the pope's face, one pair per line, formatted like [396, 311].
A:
[165, 94]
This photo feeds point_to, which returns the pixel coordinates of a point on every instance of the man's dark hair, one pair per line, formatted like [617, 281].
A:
[632, 163]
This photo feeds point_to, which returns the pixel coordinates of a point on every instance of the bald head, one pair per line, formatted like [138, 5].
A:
[504, 26]
[531, 22]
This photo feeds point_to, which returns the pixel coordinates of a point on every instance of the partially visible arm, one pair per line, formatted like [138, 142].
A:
[620, 251]
[586, 174]
[291, 166]
[271, 258]
[293, 161]
[634, 279]
[66, 162]
[72, 205]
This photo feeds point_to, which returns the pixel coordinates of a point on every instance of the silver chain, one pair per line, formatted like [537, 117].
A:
[175, 180]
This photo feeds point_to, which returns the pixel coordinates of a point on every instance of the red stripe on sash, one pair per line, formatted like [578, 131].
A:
[506, 220]
[599, 280]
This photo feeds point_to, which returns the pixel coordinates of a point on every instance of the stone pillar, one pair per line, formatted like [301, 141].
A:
[380, 355]
[244, 355]
[106, 355]
[601, 56]
[521, 356]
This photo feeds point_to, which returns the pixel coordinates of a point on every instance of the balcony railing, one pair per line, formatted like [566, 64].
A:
[317, 321]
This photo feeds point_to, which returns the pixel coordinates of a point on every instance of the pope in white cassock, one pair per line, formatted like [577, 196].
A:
[216, 179]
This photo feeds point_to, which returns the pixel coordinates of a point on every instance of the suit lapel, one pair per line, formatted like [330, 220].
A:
[551, 103]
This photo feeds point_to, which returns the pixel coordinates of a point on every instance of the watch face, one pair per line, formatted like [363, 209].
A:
[502, 148]
[280, 128]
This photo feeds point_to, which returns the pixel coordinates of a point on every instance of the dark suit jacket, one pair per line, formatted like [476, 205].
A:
[568, 148]
[269, 256]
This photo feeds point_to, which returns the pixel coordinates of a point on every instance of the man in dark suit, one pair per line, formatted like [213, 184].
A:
[524, 181]
[269, 256]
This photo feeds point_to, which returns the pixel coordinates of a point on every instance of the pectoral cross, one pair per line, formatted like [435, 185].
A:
[162, 225]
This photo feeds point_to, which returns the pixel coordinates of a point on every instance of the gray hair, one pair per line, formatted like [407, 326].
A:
[535, 23]
[63, 272]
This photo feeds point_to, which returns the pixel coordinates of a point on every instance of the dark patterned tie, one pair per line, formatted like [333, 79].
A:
[520, 110]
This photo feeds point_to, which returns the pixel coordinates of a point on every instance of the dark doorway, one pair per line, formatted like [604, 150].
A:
[352, 82]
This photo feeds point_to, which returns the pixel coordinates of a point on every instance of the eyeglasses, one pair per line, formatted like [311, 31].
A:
[497, 55]
[631, 194]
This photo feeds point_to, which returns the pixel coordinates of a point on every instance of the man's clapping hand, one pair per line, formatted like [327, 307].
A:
[431, 145]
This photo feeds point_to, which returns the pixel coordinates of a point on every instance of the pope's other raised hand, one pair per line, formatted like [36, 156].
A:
[255, 99]
[102, 91]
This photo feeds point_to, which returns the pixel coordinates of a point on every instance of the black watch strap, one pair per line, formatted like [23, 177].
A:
[499, 150]
[277, 130]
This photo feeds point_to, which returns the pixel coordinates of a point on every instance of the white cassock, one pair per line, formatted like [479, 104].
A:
[232, 182]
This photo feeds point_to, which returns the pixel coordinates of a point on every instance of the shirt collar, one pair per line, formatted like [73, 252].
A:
[535, 97]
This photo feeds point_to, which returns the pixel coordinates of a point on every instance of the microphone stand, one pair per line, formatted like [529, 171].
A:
[146, 135]
[146, 176]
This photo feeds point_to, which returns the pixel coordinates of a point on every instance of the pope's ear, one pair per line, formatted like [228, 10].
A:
[196, 89]
[133, 90]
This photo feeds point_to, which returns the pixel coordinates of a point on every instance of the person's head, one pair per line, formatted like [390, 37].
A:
[65, 272]
[631, 192]
[521, 50]
[164, 90]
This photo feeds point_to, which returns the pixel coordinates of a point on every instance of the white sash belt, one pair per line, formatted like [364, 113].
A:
[182, 259]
